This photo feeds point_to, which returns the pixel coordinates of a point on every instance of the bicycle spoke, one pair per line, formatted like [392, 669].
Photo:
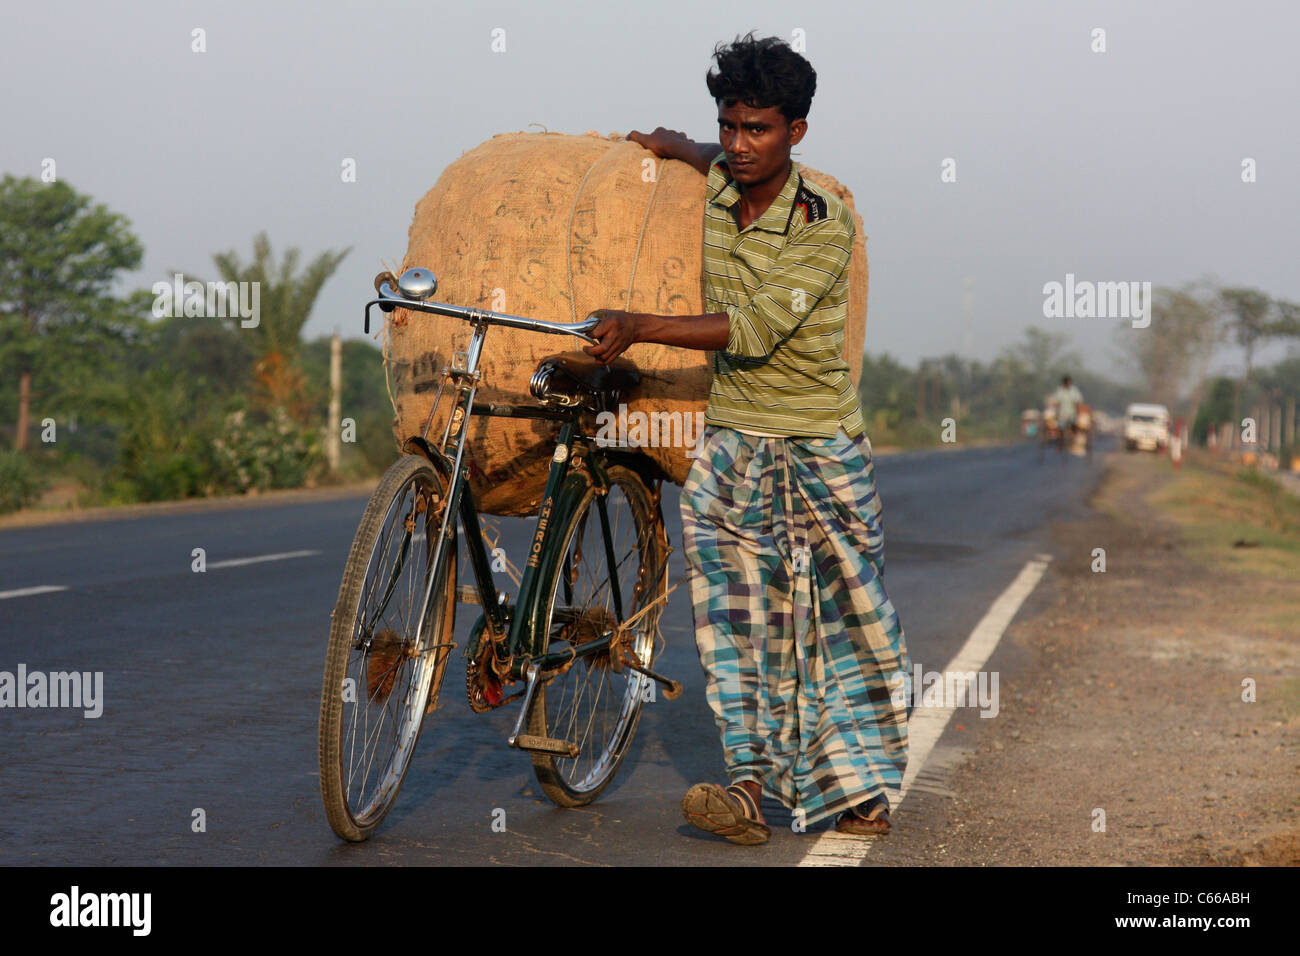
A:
[372, 734]
[594, 707]
[600, 581]
[380, 549]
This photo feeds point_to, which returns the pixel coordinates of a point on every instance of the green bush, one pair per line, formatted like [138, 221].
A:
[213, 454]
[20, 485]
[159, 453]
[256, 455]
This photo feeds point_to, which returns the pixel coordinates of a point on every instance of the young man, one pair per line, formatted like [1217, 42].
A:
[803, 655]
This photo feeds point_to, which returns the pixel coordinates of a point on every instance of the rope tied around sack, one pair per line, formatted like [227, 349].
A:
[640, 238]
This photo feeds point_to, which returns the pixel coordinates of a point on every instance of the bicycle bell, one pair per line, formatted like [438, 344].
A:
[417, 283]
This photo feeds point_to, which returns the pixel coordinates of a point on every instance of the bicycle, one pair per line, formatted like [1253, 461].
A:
[580, 635]
[1051, 433]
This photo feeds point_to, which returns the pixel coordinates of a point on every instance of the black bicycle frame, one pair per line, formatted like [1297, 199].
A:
[523, 643]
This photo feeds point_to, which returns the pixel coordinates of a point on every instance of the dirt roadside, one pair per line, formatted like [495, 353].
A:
[1126, 697]
[34, 517]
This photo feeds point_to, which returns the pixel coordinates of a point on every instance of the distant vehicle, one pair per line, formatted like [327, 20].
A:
[1105, 423]
[1030, 419]
[1146, 427]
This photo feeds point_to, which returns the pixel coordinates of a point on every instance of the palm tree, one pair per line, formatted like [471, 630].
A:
[285, 302]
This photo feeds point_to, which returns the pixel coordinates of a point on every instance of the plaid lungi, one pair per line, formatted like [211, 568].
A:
[802, 651]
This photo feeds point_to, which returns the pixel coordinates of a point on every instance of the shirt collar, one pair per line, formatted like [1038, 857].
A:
[776, 218]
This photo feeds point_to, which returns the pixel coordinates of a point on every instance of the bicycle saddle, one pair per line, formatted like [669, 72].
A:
[575, 379]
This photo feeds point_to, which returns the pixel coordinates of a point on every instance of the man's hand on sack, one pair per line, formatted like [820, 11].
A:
[667, 143]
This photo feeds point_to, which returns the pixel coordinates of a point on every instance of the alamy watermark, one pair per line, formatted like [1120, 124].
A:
[1085, 299]
[82, 690]
[211, 300]
[946, 689]
[650, 430]
[128, 910]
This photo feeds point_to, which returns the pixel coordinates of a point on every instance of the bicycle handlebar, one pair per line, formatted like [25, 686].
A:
[393, 299]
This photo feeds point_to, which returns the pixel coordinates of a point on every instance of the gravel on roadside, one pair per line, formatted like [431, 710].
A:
[1125, 740]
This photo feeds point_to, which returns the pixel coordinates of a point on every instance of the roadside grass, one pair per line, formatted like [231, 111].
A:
[1289, 697]
[1233, 518]
[886, 432]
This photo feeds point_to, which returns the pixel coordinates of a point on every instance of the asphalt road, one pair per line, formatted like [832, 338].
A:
[211, 685]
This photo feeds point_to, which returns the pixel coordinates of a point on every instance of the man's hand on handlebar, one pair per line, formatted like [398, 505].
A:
[615, 331]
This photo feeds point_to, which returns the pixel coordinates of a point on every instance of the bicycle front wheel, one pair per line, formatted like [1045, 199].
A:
[595, 704]
[382, 671]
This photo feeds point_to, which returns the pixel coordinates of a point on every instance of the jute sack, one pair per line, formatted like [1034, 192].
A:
[554, 226]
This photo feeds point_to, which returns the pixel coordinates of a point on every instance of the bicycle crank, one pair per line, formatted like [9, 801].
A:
[532, 742]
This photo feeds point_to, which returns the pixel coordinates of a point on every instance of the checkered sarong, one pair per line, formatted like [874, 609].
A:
[801, 649]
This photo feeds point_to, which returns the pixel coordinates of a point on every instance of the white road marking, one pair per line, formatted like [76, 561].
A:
[24, 592]
[236, 562]
[928, 723]
[231, 563]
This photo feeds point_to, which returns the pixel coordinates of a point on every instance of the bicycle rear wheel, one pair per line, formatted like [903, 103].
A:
[596, 704]
[380, 681]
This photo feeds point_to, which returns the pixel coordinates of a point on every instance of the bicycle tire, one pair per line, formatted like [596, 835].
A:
[556, 706]
[383, 659]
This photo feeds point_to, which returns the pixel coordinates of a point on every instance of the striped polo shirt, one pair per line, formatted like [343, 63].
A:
[784, 283]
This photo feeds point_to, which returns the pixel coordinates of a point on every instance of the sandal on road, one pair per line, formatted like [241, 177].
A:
[729, 813]
[866, 819]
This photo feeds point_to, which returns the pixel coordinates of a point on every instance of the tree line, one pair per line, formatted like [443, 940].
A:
[1169, 363]
[98, 392]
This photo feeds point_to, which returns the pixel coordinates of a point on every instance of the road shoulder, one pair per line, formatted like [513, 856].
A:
[1122, 736]
[32, 518]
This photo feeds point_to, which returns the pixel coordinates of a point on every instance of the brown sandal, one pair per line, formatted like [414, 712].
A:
[729, 813]
[866, 819]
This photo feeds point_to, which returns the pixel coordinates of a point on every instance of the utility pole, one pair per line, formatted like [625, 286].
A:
[333, 447]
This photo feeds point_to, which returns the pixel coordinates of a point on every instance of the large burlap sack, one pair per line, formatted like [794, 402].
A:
[553, 226]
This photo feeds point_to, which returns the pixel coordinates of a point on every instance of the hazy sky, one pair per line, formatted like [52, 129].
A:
[1122, 165]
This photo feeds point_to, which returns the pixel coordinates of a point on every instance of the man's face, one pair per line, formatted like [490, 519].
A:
[757, 142]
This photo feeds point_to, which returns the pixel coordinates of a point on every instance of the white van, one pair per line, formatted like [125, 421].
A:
[1146, 427]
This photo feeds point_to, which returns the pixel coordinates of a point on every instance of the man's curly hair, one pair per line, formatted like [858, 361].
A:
[761, 73]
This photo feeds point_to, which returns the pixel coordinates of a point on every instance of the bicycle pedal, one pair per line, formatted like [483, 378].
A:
[545, 745]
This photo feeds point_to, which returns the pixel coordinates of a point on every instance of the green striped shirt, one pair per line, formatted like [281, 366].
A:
[784, 283]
